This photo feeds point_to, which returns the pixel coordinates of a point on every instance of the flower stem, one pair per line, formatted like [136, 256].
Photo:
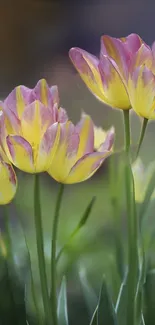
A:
[132, 229]
[53, 293]
[40, 250]
[8, 235]
[115, 205]
[143, 129]
[127, 130]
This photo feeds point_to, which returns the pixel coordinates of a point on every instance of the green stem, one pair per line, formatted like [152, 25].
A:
[132, 229]
[40, 250]
[127, 130]
[114, 190]
[53, 293]
[9, 260]
[39, 317]
[8, 235]
[143, 129]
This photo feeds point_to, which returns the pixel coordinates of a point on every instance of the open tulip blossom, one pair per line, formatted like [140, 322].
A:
[75, 158]
[29, 125]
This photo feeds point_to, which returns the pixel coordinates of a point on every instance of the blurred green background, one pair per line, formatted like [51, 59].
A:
[35, 37]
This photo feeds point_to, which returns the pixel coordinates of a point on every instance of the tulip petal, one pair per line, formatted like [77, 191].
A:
[66, 152]
[85, 129]
[8, 181]
[3, 135]
[109, 141]
[141, 90]
[86, 167]
[21, 153]
[87, 66]
[46, 95]
[142, 56]
[115, 49]
[48, 147]
[17, 99]
[99, 136]
[12, 123]
[132, 42]
[35, 120]
[62, 115]
[114, 88]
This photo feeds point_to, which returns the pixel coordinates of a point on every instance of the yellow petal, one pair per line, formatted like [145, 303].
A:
[8, 181]
[44, 92]
[85, 129]
[21, 153]
[65, 153]
[34, 122]
[141, 90]
[99, 136]
[114, 87]
[48, 147]
[86, 167]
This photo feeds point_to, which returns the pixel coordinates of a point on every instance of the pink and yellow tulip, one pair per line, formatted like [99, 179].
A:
[123, 75]
[75, 158]
[29, 125]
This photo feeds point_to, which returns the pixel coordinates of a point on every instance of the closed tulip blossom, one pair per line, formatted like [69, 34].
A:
[8, 181]
[112, 77]
[75, 158]
[29, 125]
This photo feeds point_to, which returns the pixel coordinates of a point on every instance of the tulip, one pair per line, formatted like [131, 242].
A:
[8, 181]
[75, 158]
[107, 77]
[29, 125]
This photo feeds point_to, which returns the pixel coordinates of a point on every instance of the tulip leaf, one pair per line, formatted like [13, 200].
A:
[149, 289]
[139, 295]
[106, 313]
[88, 292]
[81, 223]
[94, 317]
[142, 320]
[121, 303]
[148, 194]
[62, 304]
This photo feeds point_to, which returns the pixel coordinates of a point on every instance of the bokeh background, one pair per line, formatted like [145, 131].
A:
[35, 38]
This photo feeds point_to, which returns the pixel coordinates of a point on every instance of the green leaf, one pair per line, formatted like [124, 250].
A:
[142, 320]
[94, 317]
[148, 194]
[81, 223]
[141, 282]
[62, 304]
[149, 289]
[106, 313]
[121, 303]
[88, 292]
